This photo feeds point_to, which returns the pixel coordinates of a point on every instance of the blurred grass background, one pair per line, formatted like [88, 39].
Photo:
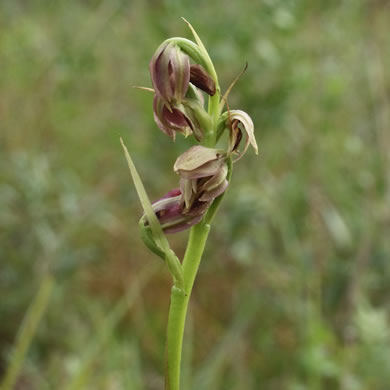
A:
[294, 289]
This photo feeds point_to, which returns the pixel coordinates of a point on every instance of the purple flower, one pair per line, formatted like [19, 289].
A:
[203, 177]
[170, 73]
[178, 104]
[169, 211]
[185, 118]
[170, 119]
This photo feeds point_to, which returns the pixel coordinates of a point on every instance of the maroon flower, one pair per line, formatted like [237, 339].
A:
[170, 73]
[169, 211]
[170, 119]
[203, 177]
[178, 103]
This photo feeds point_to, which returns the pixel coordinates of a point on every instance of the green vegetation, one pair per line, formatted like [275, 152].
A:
[295, 281]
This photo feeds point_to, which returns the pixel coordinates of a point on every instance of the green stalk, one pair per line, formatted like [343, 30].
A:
[179, 304]
[179, 300]
[210, 137]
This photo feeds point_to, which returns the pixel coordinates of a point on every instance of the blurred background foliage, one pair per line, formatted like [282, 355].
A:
[294, 289]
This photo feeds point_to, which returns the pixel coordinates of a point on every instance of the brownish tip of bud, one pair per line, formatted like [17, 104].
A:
[201, 79]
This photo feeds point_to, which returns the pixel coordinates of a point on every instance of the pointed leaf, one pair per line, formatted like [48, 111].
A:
[146, 204]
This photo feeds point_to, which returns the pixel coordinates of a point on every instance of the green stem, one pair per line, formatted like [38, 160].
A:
[210, 136]
[179, 304]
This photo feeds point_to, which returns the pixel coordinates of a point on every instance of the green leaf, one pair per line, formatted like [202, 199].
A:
[154, 224]
[157, 233]
[147, 238]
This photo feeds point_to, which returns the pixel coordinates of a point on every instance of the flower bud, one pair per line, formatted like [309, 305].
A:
[170, 72]
[201, 79]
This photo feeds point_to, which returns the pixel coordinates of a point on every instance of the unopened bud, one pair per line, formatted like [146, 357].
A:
[201, 79]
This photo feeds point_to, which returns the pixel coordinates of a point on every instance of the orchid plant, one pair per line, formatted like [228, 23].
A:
[182, 75]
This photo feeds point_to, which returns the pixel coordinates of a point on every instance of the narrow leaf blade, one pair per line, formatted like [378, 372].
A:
[144, 199]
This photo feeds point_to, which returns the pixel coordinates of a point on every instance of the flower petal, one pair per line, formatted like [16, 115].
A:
[187, 191]
[197, 208]
[195, 157]
[183, 225]
[205, 170]
[170, 72]
[159, 72]
[170, 121]
[201, 79]
[240, 117]
[180, 76]
[215, 180]
[211, 195]
[171, 215]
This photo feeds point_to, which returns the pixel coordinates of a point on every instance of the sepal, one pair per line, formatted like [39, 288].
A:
[238, 123]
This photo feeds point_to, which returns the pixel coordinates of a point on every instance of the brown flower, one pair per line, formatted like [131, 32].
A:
[203, 172]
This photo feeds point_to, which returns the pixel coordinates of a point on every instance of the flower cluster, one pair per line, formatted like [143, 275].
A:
[178, 104]
[180, 81]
